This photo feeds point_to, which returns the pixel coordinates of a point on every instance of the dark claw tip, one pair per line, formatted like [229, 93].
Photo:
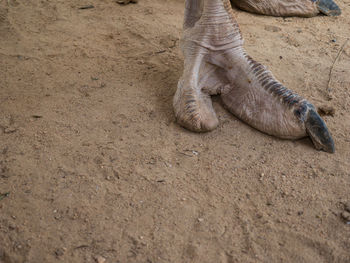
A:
[318, 132]
[328, 7]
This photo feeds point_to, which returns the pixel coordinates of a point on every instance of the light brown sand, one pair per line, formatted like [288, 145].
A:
[96, 165]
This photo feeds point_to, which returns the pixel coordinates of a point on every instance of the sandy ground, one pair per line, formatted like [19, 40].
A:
[97, 169]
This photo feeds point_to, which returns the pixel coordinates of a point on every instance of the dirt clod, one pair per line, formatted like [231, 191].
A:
[326, 110]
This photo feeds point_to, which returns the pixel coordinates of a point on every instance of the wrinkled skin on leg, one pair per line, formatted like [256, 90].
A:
[217, 64]
[304, 8]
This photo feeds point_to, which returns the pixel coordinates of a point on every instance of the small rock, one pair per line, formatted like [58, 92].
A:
[272, 28]
[57, 217]
[10, 130]
[326, 110]
[347, 206]
[116, 174]
[87, 7]
[168, 165]
[262, 175]
[200, 219]
[346, 216]
[36, 116]
[125, 2]
[100, 259]
[59, 252]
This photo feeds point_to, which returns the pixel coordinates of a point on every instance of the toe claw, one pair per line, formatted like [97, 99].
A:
[328, 7]
[318, 132]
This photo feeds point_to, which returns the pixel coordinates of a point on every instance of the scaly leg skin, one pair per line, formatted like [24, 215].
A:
[303, 8]
[193, 108]
[216, 63]
[192, 103]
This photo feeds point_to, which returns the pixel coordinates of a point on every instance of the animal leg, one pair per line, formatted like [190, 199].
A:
[261, 101]
[193, 12]
[192, 102]
[247, 88]
[304, 8]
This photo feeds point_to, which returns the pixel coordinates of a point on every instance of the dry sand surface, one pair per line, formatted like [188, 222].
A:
[97, 170]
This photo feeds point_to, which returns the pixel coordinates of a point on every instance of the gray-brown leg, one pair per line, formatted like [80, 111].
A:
[216, 63]
[304, 8]
[192, 102]
[193, 12]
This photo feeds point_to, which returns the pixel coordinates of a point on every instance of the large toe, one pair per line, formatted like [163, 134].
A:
[198, 123]
[318, 132]
[328, 7]
[197, 118]
[194, 112]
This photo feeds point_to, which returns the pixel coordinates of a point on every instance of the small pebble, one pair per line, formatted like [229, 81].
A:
[326, 110]
[100, 259]
[200, 219]
[347, 207]
[346, 216]
[87, 7]
[59, 252]
[125, 2]
[272, 28]
[10, 130]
